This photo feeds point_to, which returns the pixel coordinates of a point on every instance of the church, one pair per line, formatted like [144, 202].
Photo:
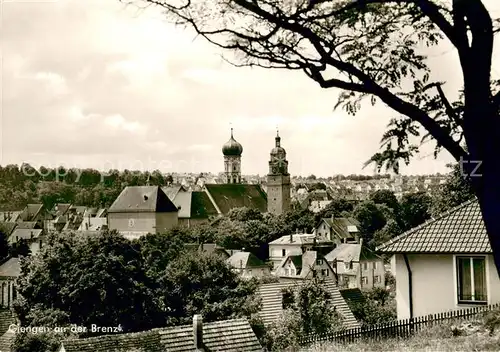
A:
[139, 210]
[233, 193]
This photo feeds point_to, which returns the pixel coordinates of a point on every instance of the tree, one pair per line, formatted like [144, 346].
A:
[205, 284]
[454, 192]
[378, 307]
[318, 186]
[371, 219]
[244, 214]
[20, 248]
[415, 209]
[309, 311]
[338, 207]
[374, 49]
[385, 197]
[4, 244]
[95, 280]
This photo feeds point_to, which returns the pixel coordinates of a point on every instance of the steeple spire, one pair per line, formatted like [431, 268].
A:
[278, 138]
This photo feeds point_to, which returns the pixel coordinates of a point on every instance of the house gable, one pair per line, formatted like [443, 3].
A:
[149, 199]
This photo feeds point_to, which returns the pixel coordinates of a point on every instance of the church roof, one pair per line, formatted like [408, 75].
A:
[201, 206]
[142, 199]
[230, 196]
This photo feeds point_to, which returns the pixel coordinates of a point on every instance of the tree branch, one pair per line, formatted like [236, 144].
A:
[369, 84]
[450, 111]
[316, 75]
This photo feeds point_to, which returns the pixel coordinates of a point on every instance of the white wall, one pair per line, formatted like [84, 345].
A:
[275, 253]
[434, 284]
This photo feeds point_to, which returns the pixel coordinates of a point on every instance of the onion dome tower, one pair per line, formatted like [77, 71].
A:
[232, 151]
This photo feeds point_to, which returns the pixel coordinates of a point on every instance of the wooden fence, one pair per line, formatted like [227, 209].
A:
[398, 328]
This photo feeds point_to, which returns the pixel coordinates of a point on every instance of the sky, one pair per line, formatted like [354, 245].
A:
[93, 83]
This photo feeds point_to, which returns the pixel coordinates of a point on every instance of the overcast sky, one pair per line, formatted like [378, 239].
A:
[91, 83]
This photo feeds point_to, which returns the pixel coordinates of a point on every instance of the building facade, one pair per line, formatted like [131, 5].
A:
[278, 180]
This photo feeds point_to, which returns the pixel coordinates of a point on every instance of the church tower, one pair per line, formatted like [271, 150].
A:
[278, 180]
[232, 151]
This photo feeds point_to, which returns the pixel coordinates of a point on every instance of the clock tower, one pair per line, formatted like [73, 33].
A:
[278, 180]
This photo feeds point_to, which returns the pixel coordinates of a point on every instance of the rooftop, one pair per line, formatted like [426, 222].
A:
[11, 268]
[142, 199]
[230, 196]
[224, 336]
[460, 230]
[245, 260]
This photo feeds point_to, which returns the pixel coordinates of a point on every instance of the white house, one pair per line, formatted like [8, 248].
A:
[339, 230]
[305, 266]
[356, 266]
[444, 264]
[294, 244]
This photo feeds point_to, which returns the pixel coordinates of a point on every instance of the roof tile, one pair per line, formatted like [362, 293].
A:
[460, 230]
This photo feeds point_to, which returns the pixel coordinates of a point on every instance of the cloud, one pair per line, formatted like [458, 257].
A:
[94, 83]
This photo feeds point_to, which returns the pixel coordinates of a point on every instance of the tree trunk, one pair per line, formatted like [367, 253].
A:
[484, 171]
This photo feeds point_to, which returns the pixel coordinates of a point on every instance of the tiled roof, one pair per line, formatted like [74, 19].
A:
[26, 224]
[31, 211]
[61, 209]
[345, 252]
[460, 230]
[230, 196]
[201, 206]
[6, 319]
[299, 239]
[245, 260]
[146, 341]
[352, 295]
[142, 199]
[223, 336]
[272, 301]
[343, 227]
[171, 191]
[11, 268]
[6, 341]
[234, 335]
[10, 215]
[26, 234]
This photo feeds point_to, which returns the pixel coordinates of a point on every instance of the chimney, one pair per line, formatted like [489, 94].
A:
[198, 332]
[291, 237]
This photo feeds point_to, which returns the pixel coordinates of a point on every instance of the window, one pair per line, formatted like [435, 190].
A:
[249, 271]
[364, 280]
[348, 265]
[365, 266]
[324, 272]
[319, 262]
[471, 279]
[375, 265]
[287, 272]
[292, 272]
[376, 279]
[283, 252]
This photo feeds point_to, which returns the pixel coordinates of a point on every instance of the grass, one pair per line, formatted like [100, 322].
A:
[438, 338]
